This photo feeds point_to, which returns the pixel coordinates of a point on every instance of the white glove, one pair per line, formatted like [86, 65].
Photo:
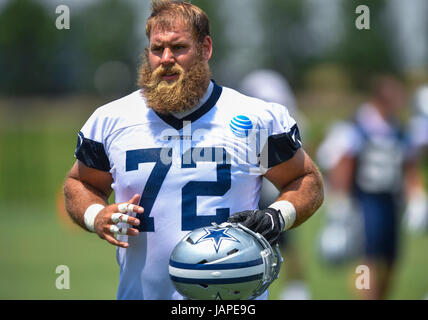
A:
[416, 214]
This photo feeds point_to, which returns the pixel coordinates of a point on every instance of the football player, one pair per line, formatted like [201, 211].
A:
[416, 215]
[182, 152]
[368, 164]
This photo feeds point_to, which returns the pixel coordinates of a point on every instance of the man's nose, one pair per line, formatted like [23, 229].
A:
[167, 57]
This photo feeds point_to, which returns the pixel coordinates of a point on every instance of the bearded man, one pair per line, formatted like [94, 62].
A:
[178, 156]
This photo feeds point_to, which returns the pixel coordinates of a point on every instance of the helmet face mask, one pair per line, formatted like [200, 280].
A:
[227, 261]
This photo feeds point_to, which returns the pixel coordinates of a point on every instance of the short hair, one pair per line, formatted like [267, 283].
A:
[166, 13]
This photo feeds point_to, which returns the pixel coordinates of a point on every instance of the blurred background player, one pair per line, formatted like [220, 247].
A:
[271, 86]
[419, 122]
[416, 215]
[368, 164]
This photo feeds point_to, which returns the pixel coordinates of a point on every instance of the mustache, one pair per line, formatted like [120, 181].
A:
[161, 71]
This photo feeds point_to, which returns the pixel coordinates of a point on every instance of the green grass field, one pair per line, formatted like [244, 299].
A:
[36, 150]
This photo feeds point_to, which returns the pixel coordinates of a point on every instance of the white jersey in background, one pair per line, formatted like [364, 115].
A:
[418, 126]
[378, 145]
[190, 171]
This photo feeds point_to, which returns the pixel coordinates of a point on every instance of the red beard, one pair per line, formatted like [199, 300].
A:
[173, 96]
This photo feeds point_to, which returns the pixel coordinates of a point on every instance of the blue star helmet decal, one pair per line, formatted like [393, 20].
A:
[216, 235]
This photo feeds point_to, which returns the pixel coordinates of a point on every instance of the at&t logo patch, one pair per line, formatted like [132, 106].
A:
[241, 126]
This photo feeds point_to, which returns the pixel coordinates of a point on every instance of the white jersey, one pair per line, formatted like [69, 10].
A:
[190, 172]
[418, 132]
[377, 144]
[418, 126]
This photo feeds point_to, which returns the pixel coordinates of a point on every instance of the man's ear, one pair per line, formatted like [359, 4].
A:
[207, 48]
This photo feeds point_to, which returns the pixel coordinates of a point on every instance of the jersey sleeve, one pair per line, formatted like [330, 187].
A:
[90, 147]
[282, 137]
[343, 138]
[418, 132]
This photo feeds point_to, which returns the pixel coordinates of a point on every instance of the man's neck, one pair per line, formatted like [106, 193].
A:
[181, 115]
[381, 109]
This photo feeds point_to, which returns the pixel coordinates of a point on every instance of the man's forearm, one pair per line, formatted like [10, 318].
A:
[78, 197]
[306, 194]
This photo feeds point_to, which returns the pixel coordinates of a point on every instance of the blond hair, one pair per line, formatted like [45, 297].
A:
[167, 13]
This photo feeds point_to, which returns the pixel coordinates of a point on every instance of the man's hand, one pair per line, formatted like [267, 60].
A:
[107, 219]
[268, 222]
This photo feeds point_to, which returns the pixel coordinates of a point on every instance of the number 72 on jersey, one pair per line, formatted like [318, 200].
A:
[190, 191]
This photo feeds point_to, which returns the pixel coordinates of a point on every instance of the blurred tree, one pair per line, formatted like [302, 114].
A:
[27, 44]
[366, 52]
[107, 32]
[214, 13]
[292, 45]
[286, 38]
[37, 58]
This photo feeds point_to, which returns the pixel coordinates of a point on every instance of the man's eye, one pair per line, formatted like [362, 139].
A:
[178, 47]
[156, 49]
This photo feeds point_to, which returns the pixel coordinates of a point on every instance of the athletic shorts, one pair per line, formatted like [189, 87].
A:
[380, 221]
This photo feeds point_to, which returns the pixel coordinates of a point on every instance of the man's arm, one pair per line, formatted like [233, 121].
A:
[86, 186]
[340, 177]
[302, 193]
[300, 183]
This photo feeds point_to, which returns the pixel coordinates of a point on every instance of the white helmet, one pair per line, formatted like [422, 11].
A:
[269, 86]
[420, 101]
[227, 262]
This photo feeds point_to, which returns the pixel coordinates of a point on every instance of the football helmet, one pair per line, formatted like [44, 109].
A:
[223, 262]
[420, 101]
[269, 86]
